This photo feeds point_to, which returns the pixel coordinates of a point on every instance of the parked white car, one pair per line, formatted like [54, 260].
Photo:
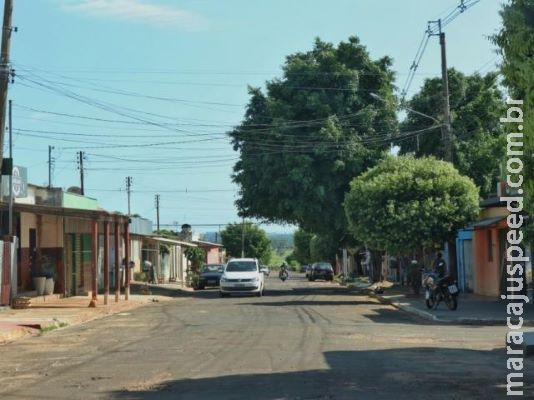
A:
[242, 275]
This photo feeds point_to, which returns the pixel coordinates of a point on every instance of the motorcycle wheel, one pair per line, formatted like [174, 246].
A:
[452, 302]
[430, 301]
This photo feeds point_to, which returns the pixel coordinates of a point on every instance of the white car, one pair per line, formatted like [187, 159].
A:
[242, 275]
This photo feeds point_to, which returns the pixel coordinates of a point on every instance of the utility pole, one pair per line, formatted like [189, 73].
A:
[10, 211]
[129, 191]
[243, 238]
[5, 69]
[50, 163]
[446, 128]
[81, 156]
[157, 211]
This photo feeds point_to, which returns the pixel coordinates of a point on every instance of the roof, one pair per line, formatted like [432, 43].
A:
[172, 241]
[204, 243]
[100, 215]
[487, 222]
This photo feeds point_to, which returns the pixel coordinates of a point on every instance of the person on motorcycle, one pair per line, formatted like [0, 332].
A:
[284, 271]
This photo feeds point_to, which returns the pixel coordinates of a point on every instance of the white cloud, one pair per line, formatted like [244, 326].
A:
[136, 11]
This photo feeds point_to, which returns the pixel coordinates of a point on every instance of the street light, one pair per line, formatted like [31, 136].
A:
[403, 106]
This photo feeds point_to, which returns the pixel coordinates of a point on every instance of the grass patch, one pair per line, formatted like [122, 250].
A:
[52, 327]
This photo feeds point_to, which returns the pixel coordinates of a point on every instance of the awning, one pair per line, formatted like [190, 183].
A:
[487, 222]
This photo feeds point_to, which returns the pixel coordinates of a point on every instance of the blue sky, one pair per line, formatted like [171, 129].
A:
[159, 71]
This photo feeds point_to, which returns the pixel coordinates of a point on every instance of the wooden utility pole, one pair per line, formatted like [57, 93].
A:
[157, 211]
[11, 200]
[5, 69]
[243, 238]
[129, 191]
[447, 127]
[81, 156]
[50, 163]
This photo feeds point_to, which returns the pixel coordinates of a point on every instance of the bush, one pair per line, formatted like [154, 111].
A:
[140, 277]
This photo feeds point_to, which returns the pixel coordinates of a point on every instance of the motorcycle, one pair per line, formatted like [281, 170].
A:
[437, 290]
[283, 275]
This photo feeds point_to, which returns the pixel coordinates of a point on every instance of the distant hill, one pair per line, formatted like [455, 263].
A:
[281, 241]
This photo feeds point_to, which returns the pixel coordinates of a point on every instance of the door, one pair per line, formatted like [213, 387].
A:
[469, 267]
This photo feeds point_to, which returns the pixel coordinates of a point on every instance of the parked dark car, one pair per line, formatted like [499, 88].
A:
[321, 270]
[210, 275]
[303, 268]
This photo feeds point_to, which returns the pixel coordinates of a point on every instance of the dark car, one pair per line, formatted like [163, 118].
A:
[321, 270]
[303, 268]
[210, 275]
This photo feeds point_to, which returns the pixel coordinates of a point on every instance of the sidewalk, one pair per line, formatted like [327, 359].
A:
[472, 309]
[51, 312]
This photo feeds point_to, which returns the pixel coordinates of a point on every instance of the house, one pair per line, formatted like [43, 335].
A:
[481, 251]
[167, 255]
[215, 253]
[67, 237]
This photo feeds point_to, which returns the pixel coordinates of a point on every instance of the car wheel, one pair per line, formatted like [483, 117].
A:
[221, 294]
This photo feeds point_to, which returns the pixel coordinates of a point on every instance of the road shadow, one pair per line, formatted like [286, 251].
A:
[404, 373]
[210, 293]
[313, 303]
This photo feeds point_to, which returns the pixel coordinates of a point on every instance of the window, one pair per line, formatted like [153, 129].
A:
[241, 266]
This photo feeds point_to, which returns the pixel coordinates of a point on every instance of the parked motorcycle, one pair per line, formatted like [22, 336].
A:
[437, 290]
[283, 275]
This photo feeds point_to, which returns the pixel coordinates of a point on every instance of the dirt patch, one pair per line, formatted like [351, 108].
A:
[150, 383]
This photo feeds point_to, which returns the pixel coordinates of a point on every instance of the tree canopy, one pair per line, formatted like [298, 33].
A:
[256, 243]
[476, 106]
[407, 204]
[516, 43]
[310, 132]
[301, 240]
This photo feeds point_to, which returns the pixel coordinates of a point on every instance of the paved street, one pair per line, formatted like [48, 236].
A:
[300, 341]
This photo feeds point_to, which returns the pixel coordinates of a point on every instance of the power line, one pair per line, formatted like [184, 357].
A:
[431, 30]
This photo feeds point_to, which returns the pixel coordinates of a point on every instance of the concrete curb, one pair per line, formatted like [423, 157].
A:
[431, 317]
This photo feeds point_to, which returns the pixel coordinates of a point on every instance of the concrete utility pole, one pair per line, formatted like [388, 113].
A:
[157, 211]
[5, 69]
[129, 191]
[81, 156]
[447, 127]
[50, 163]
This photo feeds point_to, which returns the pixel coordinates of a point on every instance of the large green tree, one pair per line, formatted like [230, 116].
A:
[308, 134]
[405, 204]
[255, 240]
[324, 248]
[301, 241]
[476, 106]
[516, 44]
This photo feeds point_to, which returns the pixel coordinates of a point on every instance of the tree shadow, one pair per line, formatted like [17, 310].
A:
[403, 373]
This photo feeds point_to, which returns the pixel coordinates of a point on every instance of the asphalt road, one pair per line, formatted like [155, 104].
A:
[300, 341]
